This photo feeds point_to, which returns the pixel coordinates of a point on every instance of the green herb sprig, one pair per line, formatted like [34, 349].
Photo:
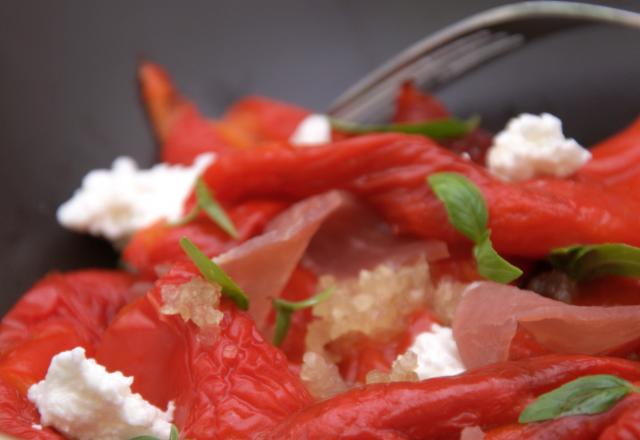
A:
[173, 435]
[586, 262]
[437, 129]
[284, 310]
[214, 274]
[205, 201]
[586, 395]
[467, 212]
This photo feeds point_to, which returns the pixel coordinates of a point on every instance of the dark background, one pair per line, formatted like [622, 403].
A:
[69, 103]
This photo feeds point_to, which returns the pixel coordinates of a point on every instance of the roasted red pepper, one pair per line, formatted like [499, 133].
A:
[527, 219]
[627, 427]
[231, 385]
[583, 427]
[61, 312]
[413, 106]
[616, 162]
[440, 408]
[184, 133]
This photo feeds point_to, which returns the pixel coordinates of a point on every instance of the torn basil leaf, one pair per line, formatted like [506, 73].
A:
[284, 310]
[205, 201]
[586, 395]
[467, 212]
[173, 435]
[437, 129]
[585, 262]
[214, 273]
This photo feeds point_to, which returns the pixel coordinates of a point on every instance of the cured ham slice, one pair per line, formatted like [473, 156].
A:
[490, 314]
[334, 232]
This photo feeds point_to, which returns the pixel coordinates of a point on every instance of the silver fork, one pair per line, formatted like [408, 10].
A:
[463, 46]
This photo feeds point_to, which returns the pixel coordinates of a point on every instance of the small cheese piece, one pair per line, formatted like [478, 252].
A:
[437, 353]
[115, 203]
[82, 400]
[532, 146]
[315, 129]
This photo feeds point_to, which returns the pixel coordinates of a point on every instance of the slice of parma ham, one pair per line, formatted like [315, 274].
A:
[490, 314]
[333, 232]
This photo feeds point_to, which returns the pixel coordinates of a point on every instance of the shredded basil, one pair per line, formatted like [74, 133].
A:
[437, 129]
[205, 201]
[284, 310]
[585, 262]
[467, 212]
[214, 273]
[586, 395]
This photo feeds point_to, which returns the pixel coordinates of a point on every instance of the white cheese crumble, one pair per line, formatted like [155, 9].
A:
[533, 146]
[315, 129]
[116, 202]
[82, 400]
[437, 353]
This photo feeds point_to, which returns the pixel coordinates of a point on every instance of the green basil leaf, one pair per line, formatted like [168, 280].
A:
[207, 203]
[174, 435]
[585, 262]
[465, 205]
[491, 265]
[283, 322]
[214, 273]
[586, 395]
[467, 212]
[212, 208]
[284, 310]
[445, 128]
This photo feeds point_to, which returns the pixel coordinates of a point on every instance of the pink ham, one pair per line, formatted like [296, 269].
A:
[334, 233]
[489, 315]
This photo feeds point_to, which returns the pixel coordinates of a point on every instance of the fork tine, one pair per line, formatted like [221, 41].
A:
[461, 47]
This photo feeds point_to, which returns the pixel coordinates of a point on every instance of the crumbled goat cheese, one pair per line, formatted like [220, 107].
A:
[115, 203]
[315, 129]
[437, 353]
[82, 400]
[533, 146]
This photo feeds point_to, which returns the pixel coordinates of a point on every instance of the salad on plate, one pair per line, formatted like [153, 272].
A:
[286, 275]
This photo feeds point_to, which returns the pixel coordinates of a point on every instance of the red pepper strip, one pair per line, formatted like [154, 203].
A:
[177, 123]
[414, 106]
[158, 245]
[86, 300]
[61, 312]
[389, 170]
[524, 346]
[229, 385]
[584, 427]
[256, 120]
[616, 161]
[627, 427]
[18, 415]
[440, 408]
[184, 133]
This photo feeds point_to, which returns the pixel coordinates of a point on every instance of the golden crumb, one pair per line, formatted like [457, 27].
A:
[321, 376]
[402, 370]
[374, 303]
[196, 300]
[444, 299]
